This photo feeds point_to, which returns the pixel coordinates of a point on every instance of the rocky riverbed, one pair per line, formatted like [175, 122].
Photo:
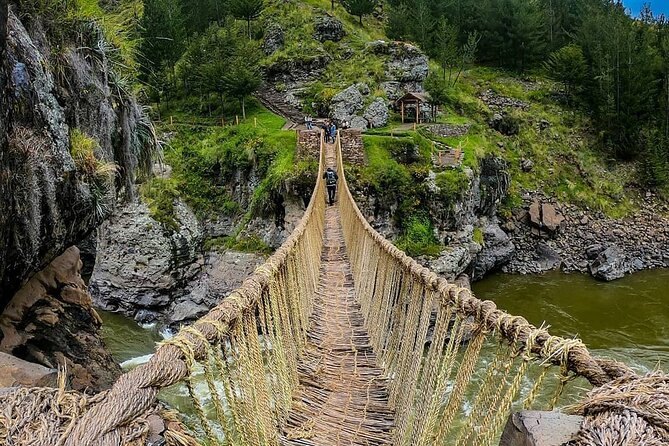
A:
[578, 240]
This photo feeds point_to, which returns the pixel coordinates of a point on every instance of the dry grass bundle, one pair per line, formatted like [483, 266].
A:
[628, 411]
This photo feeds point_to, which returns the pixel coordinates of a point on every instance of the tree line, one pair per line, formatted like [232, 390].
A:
[199, 48]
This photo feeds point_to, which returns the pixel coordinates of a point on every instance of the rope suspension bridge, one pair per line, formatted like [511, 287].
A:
[341, 339]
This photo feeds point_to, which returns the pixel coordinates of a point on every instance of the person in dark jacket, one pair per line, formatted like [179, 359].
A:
[331, 177]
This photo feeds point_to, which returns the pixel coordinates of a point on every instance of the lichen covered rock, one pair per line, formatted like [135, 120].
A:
[328, 28]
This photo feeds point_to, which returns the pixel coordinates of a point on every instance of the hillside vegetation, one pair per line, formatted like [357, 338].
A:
[580, 82]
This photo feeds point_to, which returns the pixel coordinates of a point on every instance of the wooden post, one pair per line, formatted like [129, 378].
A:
[402, 106]
[171, 120]
[414, 126]
[255, 122]
[237, 119]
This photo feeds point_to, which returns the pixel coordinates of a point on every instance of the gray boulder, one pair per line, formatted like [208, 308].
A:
[609, 265]
[535, 428]
[140, 264]
[404, 62]
[358, 123]
[377, 113]
[223, 273]
[497, 250]
[328, 28]
[345, 105]
[274, 38]
[548, 258]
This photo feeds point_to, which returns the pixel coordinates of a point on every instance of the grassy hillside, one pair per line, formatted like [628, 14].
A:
[568, 162]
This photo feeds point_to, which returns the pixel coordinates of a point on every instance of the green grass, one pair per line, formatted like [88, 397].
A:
[250, 244]
[568, 160]
[478, 236]
[418, 238]
[205, 157]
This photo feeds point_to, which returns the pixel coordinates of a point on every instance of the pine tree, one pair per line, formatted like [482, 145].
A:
[163, 36]
[445, 49]
[568, 66]
[243, 76]
[359, 8]
[248, 10]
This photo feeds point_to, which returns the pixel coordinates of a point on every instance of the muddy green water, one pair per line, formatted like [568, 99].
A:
[626, 319]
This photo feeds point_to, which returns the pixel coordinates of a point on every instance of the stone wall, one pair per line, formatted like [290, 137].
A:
[352, 147]
[309, 144]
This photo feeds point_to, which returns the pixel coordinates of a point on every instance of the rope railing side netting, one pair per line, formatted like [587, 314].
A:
[458, 364]
[246, 350]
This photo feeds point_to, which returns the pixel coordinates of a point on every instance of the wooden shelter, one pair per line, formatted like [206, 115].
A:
[414, 100]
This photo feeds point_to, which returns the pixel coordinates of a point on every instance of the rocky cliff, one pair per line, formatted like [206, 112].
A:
[71, 140]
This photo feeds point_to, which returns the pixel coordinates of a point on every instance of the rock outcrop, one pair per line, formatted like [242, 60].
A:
[51, 321]
[496, 251]
[154, 274]
[346, 104]
[17, 372]
[377, 113]
[609, 265]
[274, 38]
[140, 264]
[48, 201]
[405, 63]
[639, 241]
[327, 28]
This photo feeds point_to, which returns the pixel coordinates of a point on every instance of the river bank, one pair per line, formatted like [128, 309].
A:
[579, 240]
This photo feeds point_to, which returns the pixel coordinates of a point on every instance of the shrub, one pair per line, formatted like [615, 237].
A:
[452, 185]
[418, 238]
[160, 194]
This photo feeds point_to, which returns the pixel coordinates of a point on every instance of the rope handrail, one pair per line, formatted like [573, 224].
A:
[597, 371]
[168, 365]
[402, 301]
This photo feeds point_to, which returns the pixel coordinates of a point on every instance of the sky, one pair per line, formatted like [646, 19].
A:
[658, 6]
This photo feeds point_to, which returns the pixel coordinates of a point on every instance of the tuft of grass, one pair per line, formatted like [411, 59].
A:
[418, 238]
[98, 174]
[478, 236]
[452, 184]
[160, 194]
[250, 244]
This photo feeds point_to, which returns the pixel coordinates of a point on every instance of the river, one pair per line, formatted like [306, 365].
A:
[627, 319]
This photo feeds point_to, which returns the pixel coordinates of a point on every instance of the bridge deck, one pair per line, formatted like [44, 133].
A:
[342, 398]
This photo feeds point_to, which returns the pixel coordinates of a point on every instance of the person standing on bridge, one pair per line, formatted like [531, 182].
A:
[331, 177]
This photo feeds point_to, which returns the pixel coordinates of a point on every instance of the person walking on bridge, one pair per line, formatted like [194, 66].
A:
[331, 177]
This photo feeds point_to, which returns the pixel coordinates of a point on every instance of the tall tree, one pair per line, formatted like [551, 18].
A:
[445, 48]
[359, 8]
[243, 76]
[423, 21]
[568, 66]
[163, 34]
[248, 10]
